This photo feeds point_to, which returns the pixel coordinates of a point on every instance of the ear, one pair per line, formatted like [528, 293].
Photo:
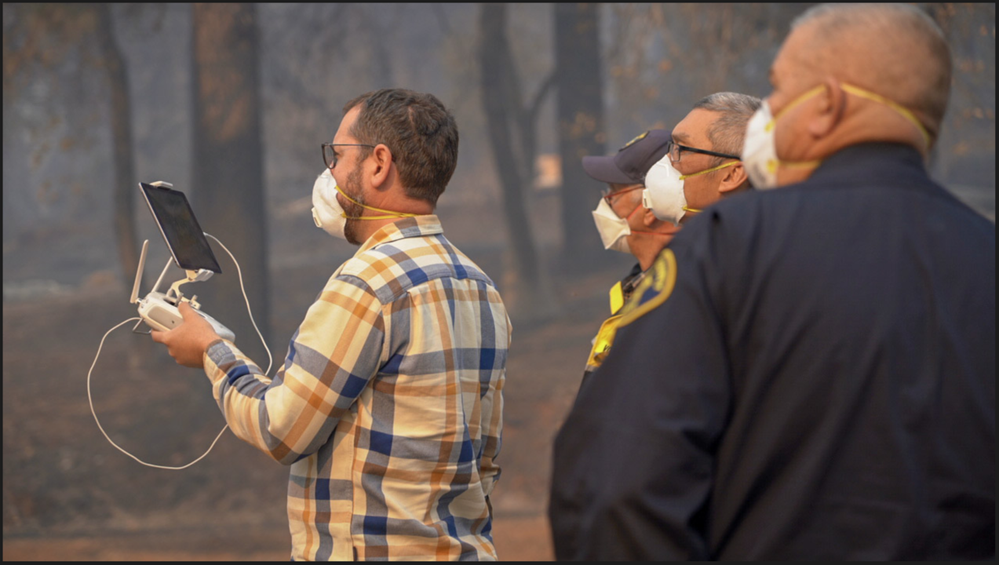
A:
[380, 165]
[734, 179]
[830, 108]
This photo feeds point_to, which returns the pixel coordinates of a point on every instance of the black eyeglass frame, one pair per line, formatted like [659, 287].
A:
[335, 158]
[672, 146]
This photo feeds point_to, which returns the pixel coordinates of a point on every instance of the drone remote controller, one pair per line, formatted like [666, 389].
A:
[159, 310]
[161, 313]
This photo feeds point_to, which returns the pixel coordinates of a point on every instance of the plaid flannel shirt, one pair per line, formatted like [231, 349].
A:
[388, 406]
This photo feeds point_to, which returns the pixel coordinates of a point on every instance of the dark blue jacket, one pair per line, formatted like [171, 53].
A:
[813, 377]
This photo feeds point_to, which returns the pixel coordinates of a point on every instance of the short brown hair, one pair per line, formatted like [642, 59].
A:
[419, 131]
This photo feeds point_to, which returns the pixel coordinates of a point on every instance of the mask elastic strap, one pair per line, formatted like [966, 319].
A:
[905, 112]
[632, 213]
[712, 169]
[804, 96]
[773, 164]
[390, 213]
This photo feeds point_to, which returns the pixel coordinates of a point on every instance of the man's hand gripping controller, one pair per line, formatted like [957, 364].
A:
[159, 310]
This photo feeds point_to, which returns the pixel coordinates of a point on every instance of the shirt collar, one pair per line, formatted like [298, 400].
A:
[631, 281]
[415, 226]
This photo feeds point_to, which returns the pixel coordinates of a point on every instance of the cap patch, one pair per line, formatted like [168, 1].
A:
[633, 141]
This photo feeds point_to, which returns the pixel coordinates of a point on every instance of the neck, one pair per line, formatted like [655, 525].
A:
[648, 248]
[394, 201]
[866, 124]
[366, 228]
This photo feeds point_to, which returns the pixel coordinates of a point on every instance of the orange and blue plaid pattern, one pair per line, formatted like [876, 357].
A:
[389, 405]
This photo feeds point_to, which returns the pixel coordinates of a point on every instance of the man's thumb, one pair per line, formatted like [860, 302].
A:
[185, 310]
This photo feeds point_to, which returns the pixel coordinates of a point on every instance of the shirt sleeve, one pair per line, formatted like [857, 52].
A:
[633, 462]
[331, 358]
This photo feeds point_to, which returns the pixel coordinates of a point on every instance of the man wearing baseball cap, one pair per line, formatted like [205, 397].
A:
[682, 172]
[624, 224]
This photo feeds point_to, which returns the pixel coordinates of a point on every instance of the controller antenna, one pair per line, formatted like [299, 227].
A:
[138, 273]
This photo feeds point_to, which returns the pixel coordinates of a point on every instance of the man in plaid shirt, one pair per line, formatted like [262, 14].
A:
[388, 407]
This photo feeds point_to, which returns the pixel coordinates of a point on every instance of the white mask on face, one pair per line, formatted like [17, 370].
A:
[614, 230]
[759, 150]
[326, 210]
[663, 192]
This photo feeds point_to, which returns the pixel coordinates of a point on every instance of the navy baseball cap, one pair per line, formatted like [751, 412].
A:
[632, 161]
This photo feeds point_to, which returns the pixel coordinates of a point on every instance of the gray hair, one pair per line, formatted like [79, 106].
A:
[734, 110]
[895, 50]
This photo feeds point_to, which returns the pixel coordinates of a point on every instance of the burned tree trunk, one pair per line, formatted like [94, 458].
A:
[581, 128]
[228, 179]
[528, 293]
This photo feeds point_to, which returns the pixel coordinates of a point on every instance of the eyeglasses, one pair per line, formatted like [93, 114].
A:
[674, 149]
[609, 195]
[329, 154]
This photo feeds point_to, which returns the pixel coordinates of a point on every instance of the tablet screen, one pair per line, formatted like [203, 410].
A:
[184, 236]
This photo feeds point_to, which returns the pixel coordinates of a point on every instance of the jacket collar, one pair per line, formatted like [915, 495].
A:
[868, 159]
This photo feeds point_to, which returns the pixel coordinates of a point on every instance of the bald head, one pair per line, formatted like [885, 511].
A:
[895, 50]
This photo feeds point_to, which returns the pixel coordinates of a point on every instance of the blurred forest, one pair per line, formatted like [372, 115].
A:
[230, 103]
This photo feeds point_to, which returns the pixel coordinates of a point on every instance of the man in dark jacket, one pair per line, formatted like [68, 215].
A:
[810, 372]
[697, 164]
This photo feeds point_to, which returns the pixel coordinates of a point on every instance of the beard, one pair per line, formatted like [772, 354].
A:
[352, 187]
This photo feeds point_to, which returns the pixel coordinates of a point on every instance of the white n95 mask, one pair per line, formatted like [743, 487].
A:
[326, 210]
[663, 192]
[759, 150]
[614, 230]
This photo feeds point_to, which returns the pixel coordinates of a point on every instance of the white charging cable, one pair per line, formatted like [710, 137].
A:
[270, 361]
[91, 399]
